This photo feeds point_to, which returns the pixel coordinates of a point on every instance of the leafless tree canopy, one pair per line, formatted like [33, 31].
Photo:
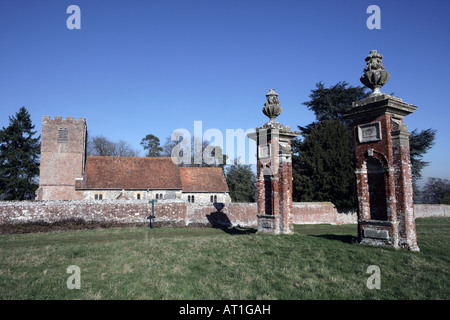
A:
[101, 146]
[202, 153]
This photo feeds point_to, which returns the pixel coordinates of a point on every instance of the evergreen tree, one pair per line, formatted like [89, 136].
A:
[331, 104]
[19, 158]
[419, 144]
[151, 143]
[241, 182]
[323, 169]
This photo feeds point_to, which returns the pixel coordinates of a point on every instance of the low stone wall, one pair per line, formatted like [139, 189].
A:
[179, 213]
[167, 212]
[232, 214]
[52, 211]
[314, 213]
[431, 210]
[173, 212]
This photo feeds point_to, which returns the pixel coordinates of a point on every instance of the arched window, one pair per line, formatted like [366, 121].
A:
[215, 198]
[138, 196]
[192, 198]
[212, 199]
[189, 198]
[96, 197]
[100, 196]
[157, 196]
[160, 196]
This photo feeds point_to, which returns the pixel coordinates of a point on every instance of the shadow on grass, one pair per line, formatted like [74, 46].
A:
[220, 220]
[238, 230]
[340, 237]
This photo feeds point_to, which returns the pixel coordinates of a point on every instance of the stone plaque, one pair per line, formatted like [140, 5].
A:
[264, 151]
[369, 132]
[267, 224]
[376, 234]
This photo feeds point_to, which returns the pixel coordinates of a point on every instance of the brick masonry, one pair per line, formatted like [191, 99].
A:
[274, 178]
[383, 172]
[63, 148]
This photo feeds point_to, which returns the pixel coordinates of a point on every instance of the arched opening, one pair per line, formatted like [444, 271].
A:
[377, 189]
[268, 194]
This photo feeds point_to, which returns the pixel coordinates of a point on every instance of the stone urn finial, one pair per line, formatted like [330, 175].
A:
[272, 107]
[375, 76]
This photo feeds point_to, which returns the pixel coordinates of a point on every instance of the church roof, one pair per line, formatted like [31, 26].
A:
[150, 173]
[131, 173]
[203, 179]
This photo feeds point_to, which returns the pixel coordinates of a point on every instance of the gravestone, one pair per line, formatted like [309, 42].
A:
[383, 164]
[274, 170]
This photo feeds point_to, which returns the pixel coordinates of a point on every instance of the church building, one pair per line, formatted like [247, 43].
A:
[67, 173]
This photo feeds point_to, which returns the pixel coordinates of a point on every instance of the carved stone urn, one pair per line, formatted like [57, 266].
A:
[375, 76]
[272, 107]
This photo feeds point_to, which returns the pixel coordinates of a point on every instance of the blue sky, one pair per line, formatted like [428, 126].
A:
[139, 67]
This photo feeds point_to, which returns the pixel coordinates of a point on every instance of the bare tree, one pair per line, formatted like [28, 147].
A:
[124, 149]
[102, 146]
[168, 146]
[436, 190]
[202, 153]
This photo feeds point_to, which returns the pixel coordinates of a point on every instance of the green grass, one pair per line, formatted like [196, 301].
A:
[317, 262]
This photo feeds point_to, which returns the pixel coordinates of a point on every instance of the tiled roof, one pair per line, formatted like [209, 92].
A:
[131, 173]
[207, 179]
[150, 173]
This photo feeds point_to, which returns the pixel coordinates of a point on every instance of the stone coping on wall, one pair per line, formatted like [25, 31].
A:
[86, 201]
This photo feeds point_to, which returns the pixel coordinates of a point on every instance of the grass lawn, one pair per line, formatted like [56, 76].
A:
[317, 262]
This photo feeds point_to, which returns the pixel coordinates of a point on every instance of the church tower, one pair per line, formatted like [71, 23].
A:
[63, 154]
